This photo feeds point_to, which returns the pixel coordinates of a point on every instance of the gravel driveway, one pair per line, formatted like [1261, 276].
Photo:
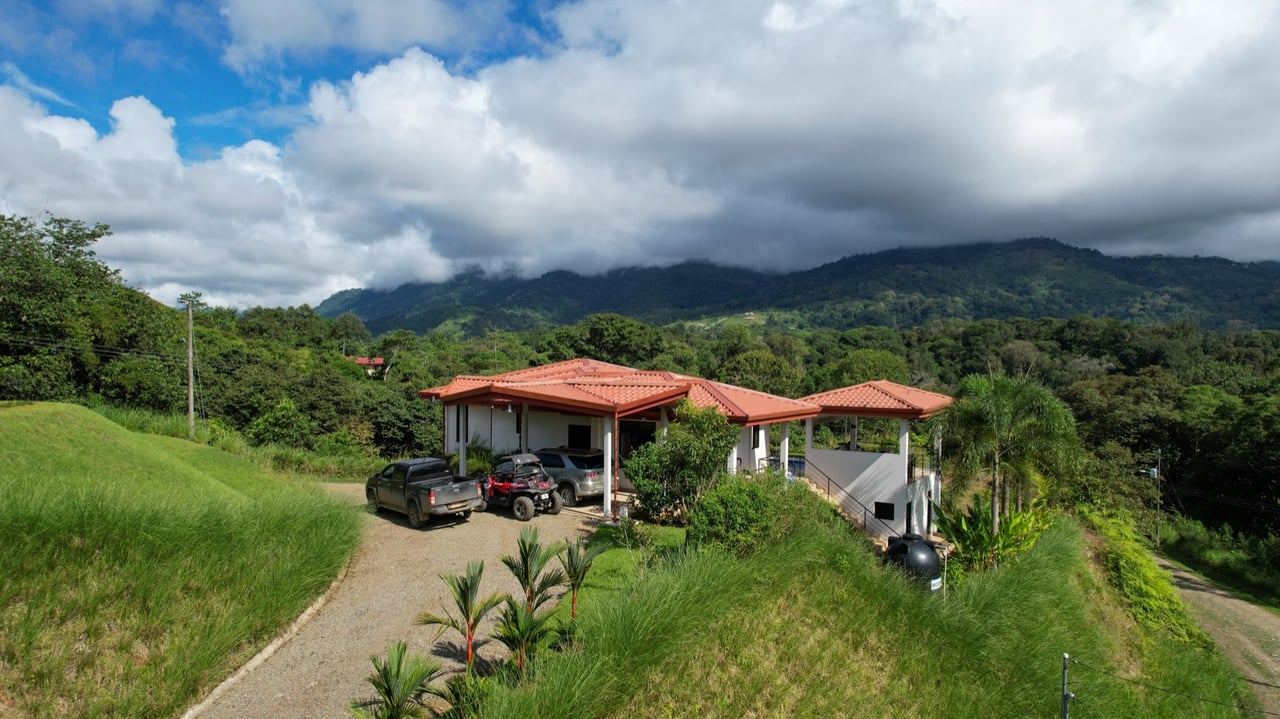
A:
[393, 577]
[1247, 634]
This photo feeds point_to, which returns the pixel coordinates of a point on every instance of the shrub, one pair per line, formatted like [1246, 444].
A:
[738, 515]
[979, 549]
[1152, 599]
[284, 424]
[744, 513]
[669, 475]
[339, 444]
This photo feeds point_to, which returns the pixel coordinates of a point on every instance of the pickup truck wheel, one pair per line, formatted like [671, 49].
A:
[523, 509]
[556, 503]
[415, 517]
[371, 497]
[568, 497]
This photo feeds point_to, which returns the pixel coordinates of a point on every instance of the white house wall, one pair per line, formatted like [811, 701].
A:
[490, 426]
[868, 477]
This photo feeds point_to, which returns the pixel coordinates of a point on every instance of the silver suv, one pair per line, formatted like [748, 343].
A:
[578, 472]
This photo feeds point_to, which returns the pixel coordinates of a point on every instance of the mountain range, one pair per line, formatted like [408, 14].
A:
[1035, 277]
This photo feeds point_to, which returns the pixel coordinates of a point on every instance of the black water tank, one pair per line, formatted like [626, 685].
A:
[914, 554]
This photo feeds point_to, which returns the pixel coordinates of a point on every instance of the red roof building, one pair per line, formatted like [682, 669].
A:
[585, 403]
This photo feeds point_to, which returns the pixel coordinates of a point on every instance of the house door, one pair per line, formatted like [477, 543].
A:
[633, 434]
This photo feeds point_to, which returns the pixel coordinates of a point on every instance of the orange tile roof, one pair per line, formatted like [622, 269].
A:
[607, 389]
[881, 398]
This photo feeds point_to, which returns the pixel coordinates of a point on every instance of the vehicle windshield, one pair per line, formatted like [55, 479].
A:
[590, 461]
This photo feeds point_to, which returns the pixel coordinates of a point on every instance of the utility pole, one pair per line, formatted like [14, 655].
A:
[191, 299]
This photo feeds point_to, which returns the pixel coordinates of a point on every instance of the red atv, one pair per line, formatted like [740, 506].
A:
[519, 482]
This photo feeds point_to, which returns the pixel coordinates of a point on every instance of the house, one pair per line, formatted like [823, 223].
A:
[585, 403]
[372, 366]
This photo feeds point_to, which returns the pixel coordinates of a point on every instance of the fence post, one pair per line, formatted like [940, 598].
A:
[1066, 695]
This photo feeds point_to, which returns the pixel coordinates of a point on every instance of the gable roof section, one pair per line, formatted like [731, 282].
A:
[881, 398]
[592, 387]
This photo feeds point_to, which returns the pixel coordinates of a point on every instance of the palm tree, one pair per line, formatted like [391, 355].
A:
[529, 567]
[576, 560]
[471, 609]
[1010, 427]
[523, 631]
[399, 683]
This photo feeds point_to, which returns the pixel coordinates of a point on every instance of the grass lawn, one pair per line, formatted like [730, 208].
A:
[139, 570]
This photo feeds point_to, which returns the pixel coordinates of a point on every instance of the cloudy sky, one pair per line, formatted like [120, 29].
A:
[272, 153]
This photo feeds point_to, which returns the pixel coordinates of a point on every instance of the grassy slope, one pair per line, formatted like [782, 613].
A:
[138, 570]
[817, 627]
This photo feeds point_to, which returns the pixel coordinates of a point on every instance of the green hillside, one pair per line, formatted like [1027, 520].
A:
[818, 626]
[137, 570]
[903, 288]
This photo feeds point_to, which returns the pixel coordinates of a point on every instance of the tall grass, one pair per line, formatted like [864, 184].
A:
[138, 570]
[1247, 564]
[338, 467]
[818, 626]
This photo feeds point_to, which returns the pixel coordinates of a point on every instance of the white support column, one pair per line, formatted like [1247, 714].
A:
[732, 464]
[663, 423]
[784, 448]
[760, 448]
[904, 445]
[608, 468]
[463, 432]
[808, 434]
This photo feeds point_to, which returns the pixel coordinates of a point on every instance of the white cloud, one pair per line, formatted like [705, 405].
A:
[19, 79]
[771, 133]
[267, 30]
[237, 227]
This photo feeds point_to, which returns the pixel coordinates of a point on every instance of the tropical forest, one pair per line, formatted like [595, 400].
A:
[1084, 437]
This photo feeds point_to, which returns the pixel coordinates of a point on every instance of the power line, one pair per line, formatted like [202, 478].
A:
[1231, 501]
[66, 346]
[1153, 687]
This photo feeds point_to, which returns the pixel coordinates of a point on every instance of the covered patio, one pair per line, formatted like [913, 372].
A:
[892, 492]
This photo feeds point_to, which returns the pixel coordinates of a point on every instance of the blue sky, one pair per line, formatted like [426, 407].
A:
[272, 153]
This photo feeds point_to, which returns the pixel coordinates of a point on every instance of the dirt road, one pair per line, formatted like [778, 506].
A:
[1248, 635]
[394, 576]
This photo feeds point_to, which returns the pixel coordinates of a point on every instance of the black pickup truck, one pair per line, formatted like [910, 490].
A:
[420, 488]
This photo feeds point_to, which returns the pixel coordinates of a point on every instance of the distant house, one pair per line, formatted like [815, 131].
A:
[585, 403]
[373, 366]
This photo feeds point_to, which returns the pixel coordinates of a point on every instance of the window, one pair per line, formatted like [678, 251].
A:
[884, 510]
[551, 460]
[589, 461]
[579, 436]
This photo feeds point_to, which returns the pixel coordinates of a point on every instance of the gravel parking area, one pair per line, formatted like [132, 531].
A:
[393, 577]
